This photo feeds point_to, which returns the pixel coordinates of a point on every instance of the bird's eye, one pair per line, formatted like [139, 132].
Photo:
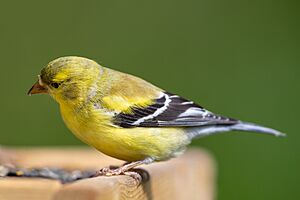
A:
[55, 85]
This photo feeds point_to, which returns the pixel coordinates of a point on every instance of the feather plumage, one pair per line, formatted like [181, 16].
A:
[126, 117]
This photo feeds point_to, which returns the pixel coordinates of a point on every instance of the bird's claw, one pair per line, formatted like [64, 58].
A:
[135, 175]
[107, 171]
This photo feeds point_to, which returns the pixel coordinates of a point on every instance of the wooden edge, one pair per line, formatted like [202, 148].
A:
[188, 177]
[28, 188]
[70, 158]
[6, 157]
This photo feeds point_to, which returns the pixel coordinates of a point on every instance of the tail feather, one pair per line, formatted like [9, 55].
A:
[240, 126]
[246, 126]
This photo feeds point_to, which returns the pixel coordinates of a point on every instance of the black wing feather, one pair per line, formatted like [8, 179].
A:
[171, 111]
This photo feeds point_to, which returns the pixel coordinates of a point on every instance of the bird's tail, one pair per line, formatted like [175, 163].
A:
[240, 126]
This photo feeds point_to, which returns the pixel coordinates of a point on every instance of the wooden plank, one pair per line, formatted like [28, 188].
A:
[27, 188]
[6, 156]
[190, 176]
[67, 157]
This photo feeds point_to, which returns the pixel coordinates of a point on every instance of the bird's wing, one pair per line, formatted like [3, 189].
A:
[169, 110]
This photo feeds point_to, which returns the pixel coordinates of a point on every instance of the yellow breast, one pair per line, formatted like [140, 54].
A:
[94, 127]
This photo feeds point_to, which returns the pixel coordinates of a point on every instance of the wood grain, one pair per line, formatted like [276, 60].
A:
[191, 176]
[25, 188]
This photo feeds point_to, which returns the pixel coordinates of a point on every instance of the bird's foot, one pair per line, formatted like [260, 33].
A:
[139, 175]
[108, 171]
[135, 175]
[128, 169]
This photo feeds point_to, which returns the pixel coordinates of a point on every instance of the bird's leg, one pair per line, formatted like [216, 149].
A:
[125, 169]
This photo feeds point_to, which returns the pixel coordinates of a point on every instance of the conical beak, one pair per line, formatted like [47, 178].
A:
[37, 88]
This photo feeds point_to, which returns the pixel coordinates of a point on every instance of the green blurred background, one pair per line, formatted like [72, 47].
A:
[238, 58]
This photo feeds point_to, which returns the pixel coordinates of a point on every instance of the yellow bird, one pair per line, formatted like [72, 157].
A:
[126, 117]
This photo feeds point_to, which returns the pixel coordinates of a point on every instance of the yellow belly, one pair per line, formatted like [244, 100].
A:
[130, 144]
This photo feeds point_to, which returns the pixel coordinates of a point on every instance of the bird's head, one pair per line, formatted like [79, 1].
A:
[68, 79]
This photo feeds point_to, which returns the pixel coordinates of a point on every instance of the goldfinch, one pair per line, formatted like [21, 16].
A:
[126, 117]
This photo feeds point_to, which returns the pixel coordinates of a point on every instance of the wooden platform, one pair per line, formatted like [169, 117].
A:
[190, 176]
